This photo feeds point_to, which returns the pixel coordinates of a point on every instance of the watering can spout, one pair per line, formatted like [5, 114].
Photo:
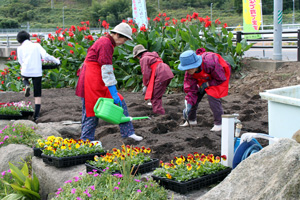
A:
[127, 119]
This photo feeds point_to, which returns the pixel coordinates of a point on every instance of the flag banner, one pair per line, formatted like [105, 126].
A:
[139, 12]
[252, 18]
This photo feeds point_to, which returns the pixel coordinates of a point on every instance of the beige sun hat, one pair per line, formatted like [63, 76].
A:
[123, 29]
[138, 49]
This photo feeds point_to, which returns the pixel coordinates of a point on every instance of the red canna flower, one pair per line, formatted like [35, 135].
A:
[130, 22]
[71, 51]
[34, 35]
[207, 24]
[134, 30]
[38, 40]
[73, 28]
[12, 53]
[87, 23]
[217, 21]
[124, 21]
[195, 15]
[156, 19]
[8, 58]
[82, 23]
[148, 18]
[143, 28]
[71, 34]
[166, 24]
[188, 17]
[167, 19]
[19, 78]
[2, 82]
[70, 45]
[164, 15]
[200, 19]
[159, 14]
[225, 25]
[183, 20]
[174, 21]
[90, 37]
[15, 57]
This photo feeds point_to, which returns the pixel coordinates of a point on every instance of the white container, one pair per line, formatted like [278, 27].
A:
[283, 110]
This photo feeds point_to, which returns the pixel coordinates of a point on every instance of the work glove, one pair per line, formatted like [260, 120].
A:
[114, 93]
[201, 89]
[144, 90]
[187, 110]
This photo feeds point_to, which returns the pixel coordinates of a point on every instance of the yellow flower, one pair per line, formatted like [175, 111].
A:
[63, 147]
[179, 161]
[168, 176]
[77, 146]
[96, 158]
[189, 166]
[41, 144]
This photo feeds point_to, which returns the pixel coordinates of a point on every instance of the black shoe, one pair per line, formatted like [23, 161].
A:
[27, 91]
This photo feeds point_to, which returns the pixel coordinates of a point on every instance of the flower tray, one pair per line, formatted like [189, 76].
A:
[50, 66]
[26, 114]
[11, 116]
[194, 184]
[69, 161]
[142, 169]
[37, 152]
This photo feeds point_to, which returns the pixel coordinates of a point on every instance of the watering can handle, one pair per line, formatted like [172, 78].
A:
[97, 104]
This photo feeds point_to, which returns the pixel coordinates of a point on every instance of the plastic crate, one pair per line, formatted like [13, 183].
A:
[38, 152]
[194, 184]
[50, 66]
[141, 169]
[69, 161]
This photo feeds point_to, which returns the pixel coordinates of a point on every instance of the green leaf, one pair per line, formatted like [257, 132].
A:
[238, 48]
[185, 35]
[17, 174]
[130, 82]
[25, 191]
[13, 197]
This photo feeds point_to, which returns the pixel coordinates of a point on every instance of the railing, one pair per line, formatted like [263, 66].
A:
[297, 39]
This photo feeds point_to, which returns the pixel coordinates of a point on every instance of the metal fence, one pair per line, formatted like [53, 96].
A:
[296, 39]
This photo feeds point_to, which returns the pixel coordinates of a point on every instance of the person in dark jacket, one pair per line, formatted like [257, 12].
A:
[156, 76]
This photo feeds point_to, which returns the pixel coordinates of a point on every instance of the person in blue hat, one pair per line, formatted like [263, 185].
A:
[205, 72]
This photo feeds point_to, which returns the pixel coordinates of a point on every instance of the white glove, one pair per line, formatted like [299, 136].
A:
[144, 90]
[57, 61]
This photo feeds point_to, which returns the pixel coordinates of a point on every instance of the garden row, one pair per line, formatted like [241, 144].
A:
[114, 174]
[169, 37]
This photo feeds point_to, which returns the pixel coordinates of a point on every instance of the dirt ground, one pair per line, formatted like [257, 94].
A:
[163, 133]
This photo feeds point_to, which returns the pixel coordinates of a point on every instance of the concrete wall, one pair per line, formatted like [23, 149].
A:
[5, 51]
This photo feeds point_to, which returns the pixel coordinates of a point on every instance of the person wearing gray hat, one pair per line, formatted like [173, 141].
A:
[156, 76]
[97, 79]
[205, 72]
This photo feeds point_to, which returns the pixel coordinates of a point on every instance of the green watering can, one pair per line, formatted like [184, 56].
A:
[106, 110]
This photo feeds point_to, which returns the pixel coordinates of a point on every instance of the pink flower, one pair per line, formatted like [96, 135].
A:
[73, 190]
[137, 180]
[87, 193]
[92, 187]
[138, 190]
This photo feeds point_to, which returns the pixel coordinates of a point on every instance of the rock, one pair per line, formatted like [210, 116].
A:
[28, 123]
[272, 173]
[52, 178]
[14, 153]
[4, 123]
[68, 130]
[47, 129]
[296, 136]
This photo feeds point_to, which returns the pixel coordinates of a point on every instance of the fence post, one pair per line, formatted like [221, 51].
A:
[298, 46]
[238, 37]
[7, 41]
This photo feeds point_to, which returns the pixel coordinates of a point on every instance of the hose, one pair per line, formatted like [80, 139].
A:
[252, 149]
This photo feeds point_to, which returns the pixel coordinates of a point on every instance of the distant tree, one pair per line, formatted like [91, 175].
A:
[9, 23]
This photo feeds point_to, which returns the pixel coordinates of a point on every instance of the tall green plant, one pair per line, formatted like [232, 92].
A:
[26, 185]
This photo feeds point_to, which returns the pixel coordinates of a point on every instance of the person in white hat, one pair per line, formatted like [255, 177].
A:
[156, 76]
[205, 72]
[97, 80]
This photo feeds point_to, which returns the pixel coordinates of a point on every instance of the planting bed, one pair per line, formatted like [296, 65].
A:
[162, 133]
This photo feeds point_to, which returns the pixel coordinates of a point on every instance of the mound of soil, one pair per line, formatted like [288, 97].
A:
[163, 133]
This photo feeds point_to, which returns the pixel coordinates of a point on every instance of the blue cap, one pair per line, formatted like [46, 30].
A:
[189, 60]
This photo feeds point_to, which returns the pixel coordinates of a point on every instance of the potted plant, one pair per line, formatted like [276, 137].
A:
[185, 174]
[139, 158]
[67, 152]
[9, 111]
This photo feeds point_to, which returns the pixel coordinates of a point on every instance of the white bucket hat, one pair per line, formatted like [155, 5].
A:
[123, 29]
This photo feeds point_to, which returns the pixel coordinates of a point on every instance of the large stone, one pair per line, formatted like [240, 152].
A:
[28, 123]
[68, 130]
[14, 153]
[52, 178]
[46, 129]
[4, 123]
[272, 173]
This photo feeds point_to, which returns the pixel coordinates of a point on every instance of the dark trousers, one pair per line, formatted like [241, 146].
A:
[156, 100]
[214, 104]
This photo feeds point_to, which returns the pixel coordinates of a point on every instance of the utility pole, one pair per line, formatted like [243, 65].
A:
[63, 10]
[293, 11]
[211, 11]
[158, 4]
[52, 4]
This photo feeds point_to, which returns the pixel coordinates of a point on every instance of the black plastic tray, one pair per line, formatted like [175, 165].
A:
[142, 169]
[37, 152]
[26, 113]
[11, 116]
[194, 184]
[69, 161]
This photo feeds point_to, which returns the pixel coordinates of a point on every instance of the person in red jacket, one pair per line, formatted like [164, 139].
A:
[205, 72]
[97, 79]
[156, 76]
